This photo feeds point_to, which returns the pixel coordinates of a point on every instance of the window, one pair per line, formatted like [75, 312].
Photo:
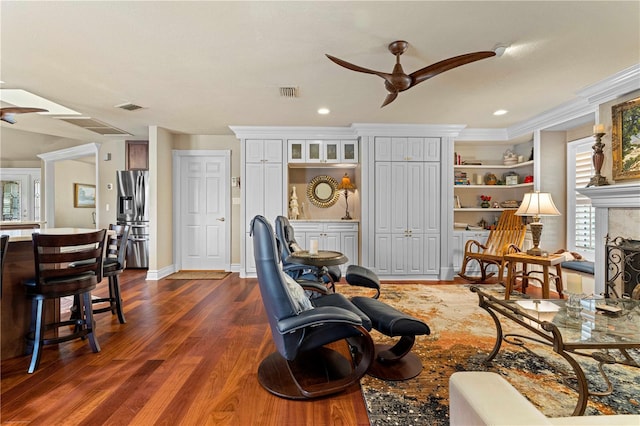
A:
[581, 221]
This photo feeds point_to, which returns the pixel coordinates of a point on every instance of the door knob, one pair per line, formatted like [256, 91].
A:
[221, 219]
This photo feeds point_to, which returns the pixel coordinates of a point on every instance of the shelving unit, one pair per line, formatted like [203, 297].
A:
[490, 155]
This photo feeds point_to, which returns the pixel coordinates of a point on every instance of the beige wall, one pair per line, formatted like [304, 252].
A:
[108, 176]
[160, 199]
[66, 174]
[19, 148]
[553, 172]
[220, 142]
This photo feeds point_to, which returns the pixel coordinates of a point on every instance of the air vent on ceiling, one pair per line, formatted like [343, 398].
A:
[129, 106]
[94, 126]
[289, 92]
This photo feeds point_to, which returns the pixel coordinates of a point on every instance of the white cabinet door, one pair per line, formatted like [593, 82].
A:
[314, 151]
[272, 189]
[431, 197]
[254, 199]
[296, 151]
[431, 149]
[398, 189]
[349, 247]
[431, 254]
[399, 253]
[263, 150]
[332, 151]
[349, 151]
[272, 151]
[414, 263]
[414, 183]
[414, 149]
[457, 247]
[382, 149]
[383, 250]
[382, 197]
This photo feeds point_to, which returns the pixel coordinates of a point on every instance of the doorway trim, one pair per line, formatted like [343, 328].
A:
[49, 176]
[178, 155]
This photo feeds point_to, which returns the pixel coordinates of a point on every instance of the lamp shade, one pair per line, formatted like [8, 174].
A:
[537, 204]
[346, 183]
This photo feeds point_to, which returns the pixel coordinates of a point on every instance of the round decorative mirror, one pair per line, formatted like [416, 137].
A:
[322, 191]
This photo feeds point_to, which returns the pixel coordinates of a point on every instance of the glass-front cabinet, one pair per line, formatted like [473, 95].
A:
[322, 151]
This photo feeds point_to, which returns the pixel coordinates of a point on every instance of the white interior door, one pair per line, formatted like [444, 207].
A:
[203, 229]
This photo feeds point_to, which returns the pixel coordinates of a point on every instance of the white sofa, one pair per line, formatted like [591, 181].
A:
[485, 398]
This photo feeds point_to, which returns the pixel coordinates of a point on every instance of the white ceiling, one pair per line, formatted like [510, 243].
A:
[198, 67]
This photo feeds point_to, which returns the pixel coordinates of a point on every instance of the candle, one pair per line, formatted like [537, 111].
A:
[574, 283]
[313, 247]
[598, 128]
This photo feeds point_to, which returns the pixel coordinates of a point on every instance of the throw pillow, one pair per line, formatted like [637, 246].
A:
[298, 296]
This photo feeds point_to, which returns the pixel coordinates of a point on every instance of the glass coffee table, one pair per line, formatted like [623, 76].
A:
[603, 330]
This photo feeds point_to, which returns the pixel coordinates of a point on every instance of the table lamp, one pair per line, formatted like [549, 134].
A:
[347, 186]
[537, 204]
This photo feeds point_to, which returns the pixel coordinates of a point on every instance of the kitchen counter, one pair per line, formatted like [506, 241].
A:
[5, 225]
[16, 307]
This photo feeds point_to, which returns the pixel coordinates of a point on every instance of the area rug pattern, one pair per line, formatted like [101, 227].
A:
[198, 275]
[462, 334]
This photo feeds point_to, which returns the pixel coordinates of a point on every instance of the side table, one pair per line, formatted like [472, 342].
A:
[545, 261]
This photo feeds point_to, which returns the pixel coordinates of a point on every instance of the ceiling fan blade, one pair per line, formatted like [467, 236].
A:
[357, 68]
[442, 66]
[390, 98]
[7, 113]
[20, 110]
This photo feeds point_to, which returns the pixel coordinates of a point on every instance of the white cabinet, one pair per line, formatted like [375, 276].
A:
[407, 149]
[336, 236]
[407, 219]
[322, 151]
[262, 187]
[460, 239]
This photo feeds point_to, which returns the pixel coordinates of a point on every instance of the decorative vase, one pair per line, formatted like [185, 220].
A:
[485, 205]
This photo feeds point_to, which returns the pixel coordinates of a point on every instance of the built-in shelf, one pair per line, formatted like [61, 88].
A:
[481, 209]
[520, 185]
[493, 166]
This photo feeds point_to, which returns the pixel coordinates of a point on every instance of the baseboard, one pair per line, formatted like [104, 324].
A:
[158, 274]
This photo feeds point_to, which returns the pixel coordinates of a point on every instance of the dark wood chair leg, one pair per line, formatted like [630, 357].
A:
[89, 323]
[117, 298]
[38, 334]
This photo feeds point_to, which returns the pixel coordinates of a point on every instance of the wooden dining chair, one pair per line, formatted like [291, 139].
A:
[65, 265]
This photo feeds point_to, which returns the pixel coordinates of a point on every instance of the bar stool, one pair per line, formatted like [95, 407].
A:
[114, 263]
[65, 265]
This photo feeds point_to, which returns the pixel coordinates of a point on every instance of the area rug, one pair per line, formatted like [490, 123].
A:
[198, 275]
[462, 335]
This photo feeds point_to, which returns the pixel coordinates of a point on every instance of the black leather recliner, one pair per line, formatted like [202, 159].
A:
[288, 245]
[303, 367]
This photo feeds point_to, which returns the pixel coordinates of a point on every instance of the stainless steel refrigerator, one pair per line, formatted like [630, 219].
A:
[133, 210]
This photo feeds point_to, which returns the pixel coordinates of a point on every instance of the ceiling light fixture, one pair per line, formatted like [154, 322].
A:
[323, 111]
[501, 48]
[500, 112]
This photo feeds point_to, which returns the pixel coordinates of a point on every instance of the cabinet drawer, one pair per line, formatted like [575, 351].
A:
[340, 227]
[307, 226]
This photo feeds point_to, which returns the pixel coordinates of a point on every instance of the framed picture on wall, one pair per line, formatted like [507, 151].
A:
[84, 195]
[625, 140]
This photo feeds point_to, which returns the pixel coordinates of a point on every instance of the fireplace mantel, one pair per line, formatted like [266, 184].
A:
[604, 198]
[613, 196]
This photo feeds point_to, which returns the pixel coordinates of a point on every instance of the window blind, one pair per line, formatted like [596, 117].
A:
[585, 222]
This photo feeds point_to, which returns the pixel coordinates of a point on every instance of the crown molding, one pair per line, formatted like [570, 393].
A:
[470, 134]
[295, 132]
[621, 83]
[407, 130]
[71, 153]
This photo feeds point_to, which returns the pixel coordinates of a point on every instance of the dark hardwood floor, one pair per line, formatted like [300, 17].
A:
[188, 355]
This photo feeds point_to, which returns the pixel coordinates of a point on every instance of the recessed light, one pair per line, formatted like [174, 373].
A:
[323, 111]
[500, 112]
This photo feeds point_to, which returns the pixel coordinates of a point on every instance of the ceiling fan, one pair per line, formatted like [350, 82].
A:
[398, 81]
[7, 113]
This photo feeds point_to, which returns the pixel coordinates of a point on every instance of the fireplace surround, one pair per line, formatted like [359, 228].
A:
[605, 198]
